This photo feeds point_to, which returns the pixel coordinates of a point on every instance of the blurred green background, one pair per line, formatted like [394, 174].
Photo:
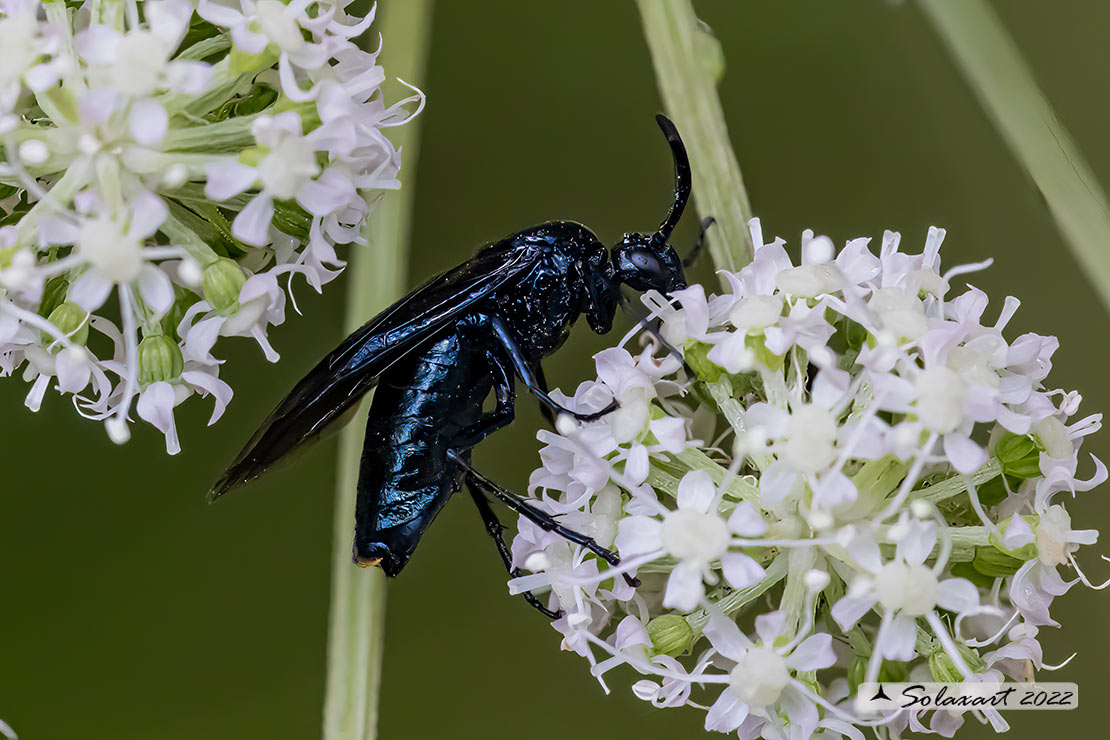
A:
[131, 609]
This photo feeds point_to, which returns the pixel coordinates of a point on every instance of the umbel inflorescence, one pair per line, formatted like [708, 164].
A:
[163, 165]
[833, 473]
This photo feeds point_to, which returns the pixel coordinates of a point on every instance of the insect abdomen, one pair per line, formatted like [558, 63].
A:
[406, 477]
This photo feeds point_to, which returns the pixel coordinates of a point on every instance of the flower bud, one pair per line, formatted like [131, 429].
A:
[943, 668]
[71, 320]
[696, 356]
[53, 294]
[670, 635]
[995, 563]
[1019, 456]
[223, 279]
[890, 671]
[159, 359]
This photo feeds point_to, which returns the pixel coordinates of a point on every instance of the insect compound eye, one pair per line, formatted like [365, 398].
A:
[645, 261]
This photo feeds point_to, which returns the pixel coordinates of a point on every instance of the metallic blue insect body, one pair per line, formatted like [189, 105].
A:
[436, 355]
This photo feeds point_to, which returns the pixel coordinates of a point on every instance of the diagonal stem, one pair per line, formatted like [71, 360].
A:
[1004, 84]
[376, 277]
[688, 63]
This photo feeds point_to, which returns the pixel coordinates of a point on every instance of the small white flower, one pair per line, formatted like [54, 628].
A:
[695, 535]
[867, 455]
[132, 159]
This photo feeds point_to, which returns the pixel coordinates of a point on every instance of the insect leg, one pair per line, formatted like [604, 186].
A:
[537, 516]
[523, 367]
[699, 242]
[496, 531]
[500, 416]
[544, 409]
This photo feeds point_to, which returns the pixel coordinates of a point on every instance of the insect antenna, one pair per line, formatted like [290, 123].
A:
[682, 178]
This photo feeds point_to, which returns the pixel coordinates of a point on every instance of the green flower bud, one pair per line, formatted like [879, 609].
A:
[857, 671]
[855, 335]
[943, 668]
[996, 564]
[70, 319]
[891, 671]
[159, 359]
[967, 570]
[670, 635]
[53, 294]
[696, 356]
[222, 281]
[1019, 456]
[767, 358]
[291, 219]
[994, 492]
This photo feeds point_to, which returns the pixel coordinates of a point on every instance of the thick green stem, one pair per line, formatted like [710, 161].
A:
[688, 63]
[375, 278]
[996, 70]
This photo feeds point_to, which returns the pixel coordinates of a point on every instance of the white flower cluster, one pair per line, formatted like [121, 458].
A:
[848, 476]
[163, 164]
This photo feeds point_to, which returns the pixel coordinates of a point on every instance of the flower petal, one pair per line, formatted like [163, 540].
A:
[897, 638]
[90, 290]
[746, 521]
[639, 535]
[696, 491]
[769, 626]
[814, 653]
[684, 587]
[958, 595]
[155, 405]
[228, 179]
[740, 570]
[726, 638]
[964, 454]
[148, 122]
[252, 225]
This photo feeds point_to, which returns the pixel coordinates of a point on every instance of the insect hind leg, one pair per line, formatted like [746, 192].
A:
[496, 530]
[537, 516]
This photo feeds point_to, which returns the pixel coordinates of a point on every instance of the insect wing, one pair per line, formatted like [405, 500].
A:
[331, 390]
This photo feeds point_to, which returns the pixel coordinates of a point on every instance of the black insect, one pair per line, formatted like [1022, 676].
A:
[436, 354]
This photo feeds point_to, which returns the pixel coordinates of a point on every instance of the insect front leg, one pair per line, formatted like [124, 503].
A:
[496, 530]
[537, 516]
[524, 369]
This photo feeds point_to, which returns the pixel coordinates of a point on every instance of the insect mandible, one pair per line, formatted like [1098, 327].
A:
[437, 354]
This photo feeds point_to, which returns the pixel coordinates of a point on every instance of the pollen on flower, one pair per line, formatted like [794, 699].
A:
[848, 451]
[145, 148]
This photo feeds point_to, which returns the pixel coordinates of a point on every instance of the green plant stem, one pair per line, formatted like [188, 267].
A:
[998, 74]
[688, 62]
[375, 278]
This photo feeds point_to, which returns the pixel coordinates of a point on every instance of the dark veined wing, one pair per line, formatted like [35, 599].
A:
[332, 389]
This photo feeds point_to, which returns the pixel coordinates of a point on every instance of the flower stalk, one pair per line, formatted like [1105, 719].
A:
[688, 64]
[1004, 84]
[356, 631]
